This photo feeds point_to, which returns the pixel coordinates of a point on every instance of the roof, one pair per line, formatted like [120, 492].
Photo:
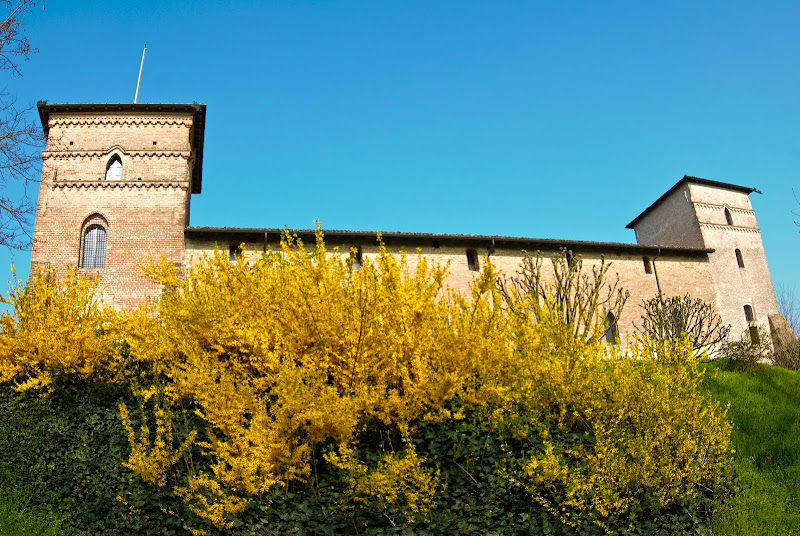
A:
[257, 234]
[196, 109]
[695, 180]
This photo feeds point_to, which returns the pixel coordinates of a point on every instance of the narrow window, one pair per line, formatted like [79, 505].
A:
[93, 248]
[472, 260]
[728, 217]
[755, 338]
[611, 329]
[647, 268]
[114, 169]
[739, 259]
[748, 313]
[356, 252]
[234, 252]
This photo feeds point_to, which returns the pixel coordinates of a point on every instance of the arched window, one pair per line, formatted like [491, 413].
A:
[647, 268]
[611, 329]
[472, 260]
[114, 169]
[93, 246]
[739, 259]
[728, 217]
[749, 315]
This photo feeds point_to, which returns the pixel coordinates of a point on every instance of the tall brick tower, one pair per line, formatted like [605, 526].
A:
[116, 185]
[716, 215]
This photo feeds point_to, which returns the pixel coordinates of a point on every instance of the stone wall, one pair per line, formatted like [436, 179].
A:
[677, 274]
[735, 286]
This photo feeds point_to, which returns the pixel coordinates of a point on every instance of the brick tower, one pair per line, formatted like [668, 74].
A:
[715, 215]
[116, 185]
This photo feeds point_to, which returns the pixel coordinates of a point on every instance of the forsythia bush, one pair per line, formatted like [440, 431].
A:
[301, 358]
[56, 327]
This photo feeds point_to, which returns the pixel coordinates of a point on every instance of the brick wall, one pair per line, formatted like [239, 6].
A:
[146, 211]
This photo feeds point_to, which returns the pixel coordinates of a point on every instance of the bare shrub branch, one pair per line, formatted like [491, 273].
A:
[581, 299]
[671, 319]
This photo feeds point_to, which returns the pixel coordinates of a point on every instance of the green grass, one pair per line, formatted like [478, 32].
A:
[15, 518]
[765, 411]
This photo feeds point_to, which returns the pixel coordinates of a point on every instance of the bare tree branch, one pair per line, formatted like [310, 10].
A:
[20, 137]
[789, 305]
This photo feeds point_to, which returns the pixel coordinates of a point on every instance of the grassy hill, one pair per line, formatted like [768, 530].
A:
[765, 410]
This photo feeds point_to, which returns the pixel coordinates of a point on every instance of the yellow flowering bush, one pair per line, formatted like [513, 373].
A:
[302, 357]
[56, 326]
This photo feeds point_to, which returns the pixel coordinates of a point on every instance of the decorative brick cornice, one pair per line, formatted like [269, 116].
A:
[120, 120]
[59, 184]
[716, 207]
[734, 228]
[104, 153]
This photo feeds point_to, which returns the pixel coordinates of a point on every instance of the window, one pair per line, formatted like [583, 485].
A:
[93, 247]
[611, 329]
[235, 252]
[728, 217]
[472, 260]
[356, 252]
[749, 315]
[647, 268]
[755, 338]
[739, 259]
[114, 169]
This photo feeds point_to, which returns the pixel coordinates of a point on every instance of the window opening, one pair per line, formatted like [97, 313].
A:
[472, 260]
[114, 169]
[93, 252]
[235, 252]
[728, 217]
[748, 313]
[739, 259]
[755, 338]
[357, 259]
[611, 329]
[647, 268]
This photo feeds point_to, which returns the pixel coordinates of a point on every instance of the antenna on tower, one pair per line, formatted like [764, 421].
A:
[135, 97]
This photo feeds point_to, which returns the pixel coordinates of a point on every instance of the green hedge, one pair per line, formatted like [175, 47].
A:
[68, 449]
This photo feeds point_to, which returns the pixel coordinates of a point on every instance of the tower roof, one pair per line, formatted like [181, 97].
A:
[694, 180]
[196, 109]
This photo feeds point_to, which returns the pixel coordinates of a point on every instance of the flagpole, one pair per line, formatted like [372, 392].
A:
[135, 97]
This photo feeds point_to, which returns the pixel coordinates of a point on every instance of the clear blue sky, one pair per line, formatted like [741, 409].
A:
[557, 119]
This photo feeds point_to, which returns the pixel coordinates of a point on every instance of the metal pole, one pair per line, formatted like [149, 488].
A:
[135, 97]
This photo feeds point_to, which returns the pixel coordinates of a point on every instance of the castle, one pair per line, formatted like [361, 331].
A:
[117, 181]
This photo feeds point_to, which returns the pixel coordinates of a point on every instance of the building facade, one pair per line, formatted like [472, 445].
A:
[117, 181]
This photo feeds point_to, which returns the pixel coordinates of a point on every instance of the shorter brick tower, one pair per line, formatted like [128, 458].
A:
[116, 185]
[716, 215]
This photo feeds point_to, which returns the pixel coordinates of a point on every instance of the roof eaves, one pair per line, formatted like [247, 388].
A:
[496, 240]
[695, 180]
